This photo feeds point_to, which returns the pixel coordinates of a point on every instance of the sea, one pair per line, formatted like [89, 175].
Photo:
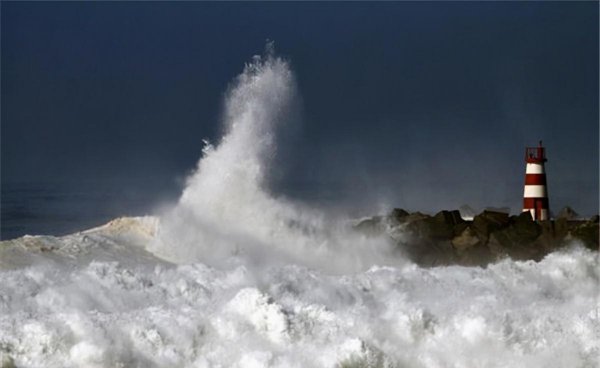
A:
[227, 274]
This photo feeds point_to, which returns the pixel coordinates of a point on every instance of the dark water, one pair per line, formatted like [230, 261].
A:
[57, 208]
[51, 208]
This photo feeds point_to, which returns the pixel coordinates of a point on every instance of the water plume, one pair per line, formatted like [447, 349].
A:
[226, 212]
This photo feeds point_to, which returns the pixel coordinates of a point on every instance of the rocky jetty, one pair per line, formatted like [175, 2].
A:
[447, 239]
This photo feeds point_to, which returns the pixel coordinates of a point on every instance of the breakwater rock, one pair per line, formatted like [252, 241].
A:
[447, 239]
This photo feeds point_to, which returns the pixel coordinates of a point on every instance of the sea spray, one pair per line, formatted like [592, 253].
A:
[226, 212]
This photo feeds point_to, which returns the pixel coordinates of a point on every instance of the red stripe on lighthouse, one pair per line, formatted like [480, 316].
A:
[535, 179]
[529, 203]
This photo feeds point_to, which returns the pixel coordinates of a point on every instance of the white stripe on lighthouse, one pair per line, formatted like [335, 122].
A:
[534, 169]
[535, 191]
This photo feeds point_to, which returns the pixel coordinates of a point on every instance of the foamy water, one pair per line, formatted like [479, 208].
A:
[135, 310]
[232, 276]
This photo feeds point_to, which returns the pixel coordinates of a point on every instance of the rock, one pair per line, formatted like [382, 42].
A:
[397, 216]
[465, 240]
[525, 228]
[561, 228]
[552, 234]
[459, 228]
[373, 226]
[415, 216]
[567, 213]
[449, 217]
[587, 233]
[502, 243]
[497, 247]
[489, 221]
[478, 255]
[440, 226]
[517, 239]
[446, 238]
[442, 254]
[428, 253]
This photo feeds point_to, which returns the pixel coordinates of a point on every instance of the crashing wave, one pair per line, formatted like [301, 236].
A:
[234, 277]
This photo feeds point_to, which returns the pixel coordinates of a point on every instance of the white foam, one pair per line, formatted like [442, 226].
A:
[522, 314]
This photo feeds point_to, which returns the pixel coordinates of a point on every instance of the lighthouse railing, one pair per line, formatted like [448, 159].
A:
[535, 154]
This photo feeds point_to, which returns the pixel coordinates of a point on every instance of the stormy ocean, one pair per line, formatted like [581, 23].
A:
[231, 275]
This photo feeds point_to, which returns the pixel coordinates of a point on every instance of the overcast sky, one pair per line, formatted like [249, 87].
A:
[420, 105]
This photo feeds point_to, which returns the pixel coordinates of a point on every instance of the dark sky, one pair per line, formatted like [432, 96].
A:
[417, 105]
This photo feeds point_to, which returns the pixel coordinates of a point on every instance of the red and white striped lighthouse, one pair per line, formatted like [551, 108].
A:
[535, 196]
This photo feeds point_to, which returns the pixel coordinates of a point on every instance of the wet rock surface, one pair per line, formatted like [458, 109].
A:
[447, 239]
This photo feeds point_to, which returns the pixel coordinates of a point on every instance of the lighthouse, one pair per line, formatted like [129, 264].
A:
[535, 196]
